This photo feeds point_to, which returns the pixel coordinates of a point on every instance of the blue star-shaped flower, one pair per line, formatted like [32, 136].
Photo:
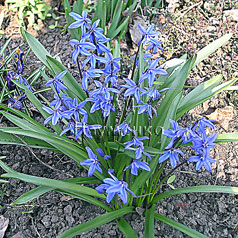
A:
[146, 34]
[57, 82]
[135, 165]
[92, 162]
[172, 155]
[151, 72]
[81, 21]
[114, 186]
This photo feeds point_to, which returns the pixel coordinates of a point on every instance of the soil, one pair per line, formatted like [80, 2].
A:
[214, 215]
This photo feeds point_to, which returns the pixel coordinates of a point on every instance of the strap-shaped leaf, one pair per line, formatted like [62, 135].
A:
[36, 192]
[197, 189]
[176, 87]
[210, 48]
[149, 222]
[179, 226]
[96, 222]
[126, 229]
[57, 184]
[36, 46]
[227, 137]
[202, 93]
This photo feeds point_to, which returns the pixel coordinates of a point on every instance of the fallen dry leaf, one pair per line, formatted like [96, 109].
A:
[222, 116]
[3, 225]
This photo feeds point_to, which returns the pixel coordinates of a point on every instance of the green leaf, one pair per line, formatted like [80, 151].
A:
[149, 222]
[5, 46]
[36, 192]
[227, 137]
[64, 186]
[171, 179]
[202, 93]
[36, 46]
[126, 229]
[176, 87]
[197, 189]
[210, 48]
[179, 226]
[96, 222]
[113, 34]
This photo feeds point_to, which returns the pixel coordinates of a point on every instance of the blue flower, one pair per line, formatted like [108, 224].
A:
[154, 44]
[146, 57]
[111, 64]
[107, 106]
[83, 127]
[57, 82]
[133, 89]
[172, 155]
[102, 91]
[204, 143]
[146, 34]
[135, 165]
[153, 93]
[11, 76]
[94, 33]
[151, 72]
[114, 186]
[92, 162]
[56, 114]
[201, 125]
[16, 102]
[81, 21]
[175, 133]
[136, 142]
[89, 74]
[69, 127]
[202, 160]
[124, 129]
[59, 99]
[82, 48]
[102, 154]
[77, 108]
[146, 108]
[100, 45]
[19, 57]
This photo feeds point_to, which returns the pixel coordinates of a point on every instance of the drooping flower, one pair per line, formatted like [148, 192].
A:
[56, 114]
[102, 154]
[10, 76]
[57, 82]
[16, 102]
[133, 89]
[146, 108]
[77, 108]
[146, 34]
[81, 47]
[81, 21]
[202, 160]
[92, 162]
[124, 129]
[154, 45]
[135, 142]
[135, 165]
[83, 127]
[172, 155]
[114, 187]
[175, 133]
[152, 71]
[94, 33]
[111, 64]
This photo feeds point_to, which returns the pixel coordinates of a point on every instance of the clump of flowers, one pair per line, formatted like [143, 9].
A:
[124, 151]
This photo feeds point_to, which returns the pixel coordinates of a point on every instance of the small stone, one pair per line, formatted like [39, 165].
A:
[54, 219]
[46, 221]
[68, 209]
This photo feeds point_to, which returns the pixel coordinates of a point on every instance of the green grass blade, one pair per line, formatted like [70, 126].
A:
[198, 189]
[149, 222]
[5, 46]
[126, 229]
[210, 48]
[96, 222]
[179, 226]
